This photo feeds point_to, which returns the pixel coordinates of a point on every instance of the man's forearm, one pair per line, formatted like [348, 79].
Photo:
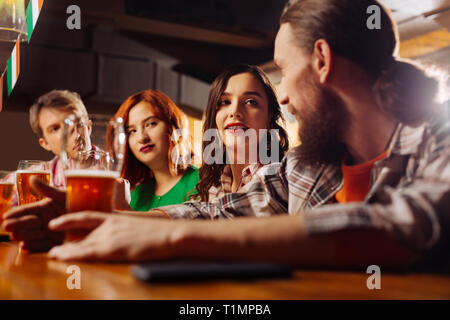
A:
[276, 239]
[283, 239]
[154, 213]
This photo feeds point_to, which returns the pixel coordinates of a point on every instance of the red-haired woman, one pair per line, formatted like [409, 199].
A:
[157, 157]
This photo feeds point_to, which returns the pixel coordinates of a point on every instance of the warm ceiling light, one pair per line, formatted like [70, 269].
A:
[12, 20]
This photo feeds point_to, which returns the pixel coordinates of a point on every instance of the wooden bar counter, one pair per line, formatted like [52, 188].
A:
[34, 276]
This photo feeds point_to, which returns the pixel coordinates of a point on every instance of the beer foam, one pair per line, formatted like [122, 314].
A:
[33, 171]
[91, 173]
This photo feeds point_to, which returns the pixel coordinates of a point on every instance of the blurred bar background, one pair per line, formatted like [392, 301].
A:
[176, 46]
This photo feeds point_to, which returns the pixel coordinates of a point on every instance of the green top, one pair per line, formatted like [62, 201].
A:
[143, 197]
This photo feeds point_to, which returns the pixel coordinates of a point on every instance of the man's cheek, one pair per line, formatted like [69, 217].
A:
[57, 141]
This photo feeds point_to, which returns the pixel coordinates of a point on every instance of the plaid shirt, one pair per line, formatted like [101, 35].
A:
[409, 195]
[57, 178]
[226, 180]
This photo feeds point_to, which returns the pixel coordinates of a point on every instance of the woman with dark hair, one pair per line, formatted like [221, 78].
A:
[157, 157]
[242, 108]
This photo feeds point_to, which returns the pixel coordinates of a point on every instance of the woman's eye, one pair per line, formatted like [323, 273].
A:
[151, 124]
[252, 102]
[130, 132]
[223, 103]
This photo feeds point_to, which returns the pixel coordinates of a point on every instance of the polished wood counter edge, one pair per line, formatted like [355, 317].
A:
[34, 276]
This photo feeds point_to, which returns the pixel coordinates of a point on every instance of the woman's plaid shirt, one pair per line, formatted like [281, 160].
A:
[226, 180]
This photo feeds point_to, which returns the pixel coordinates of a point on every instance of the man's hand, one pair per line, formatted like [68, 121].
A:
[29, 223]
[115, 237]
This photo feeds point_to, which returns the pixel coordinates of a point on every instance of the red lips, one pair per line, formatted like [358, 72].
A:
[236, 124]
[147, 148]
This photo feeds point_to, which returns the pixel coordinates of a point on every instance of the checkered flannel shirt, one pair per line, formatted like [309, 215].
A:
[226, 180]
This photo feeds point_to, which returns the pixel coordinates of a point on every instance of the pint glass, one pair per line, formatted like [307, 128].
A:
[25, 170]
[91, 179]
[6, 192]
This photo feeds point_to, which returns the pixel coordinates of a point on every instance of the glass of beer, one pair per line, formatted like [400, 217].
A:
[7, 183]
[91, 174]
[25, 170]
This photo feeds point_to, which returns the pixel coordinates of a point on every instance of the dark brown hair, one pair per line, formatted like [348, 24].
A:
[210, 173]
[165, 109]
[401, 88]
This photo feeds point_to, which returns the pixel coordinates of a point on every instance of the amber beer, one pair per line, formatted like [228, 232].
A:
[89, 190]
[26, 193]
[6, 191]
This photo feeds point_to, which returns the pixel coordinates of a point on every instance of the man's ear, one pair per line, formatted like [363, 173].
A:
[44, 144]
[89, 127]
[322, 60]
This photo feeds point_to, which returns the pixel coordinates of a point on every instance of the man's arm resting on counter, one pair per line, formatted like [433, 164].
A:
[153, 213]
[283, 239]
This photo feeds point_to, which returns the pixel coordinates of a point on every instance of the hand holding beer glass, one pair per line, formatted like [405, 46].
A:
[91, 174]
[25, 170]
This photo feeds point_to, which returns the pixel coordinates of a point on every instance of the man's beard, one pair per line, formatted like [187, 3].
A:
[322, 120]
